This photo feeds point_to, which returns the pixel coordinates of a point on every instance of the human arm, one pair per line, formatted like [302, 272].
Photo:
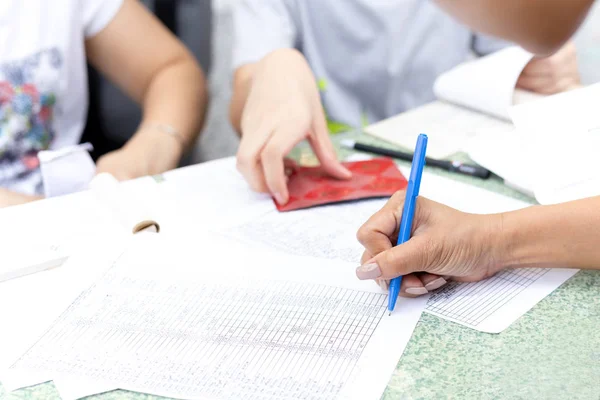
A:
[146, 61]
[540, 26]
[450, 244]
[275, 102]
[9, 198]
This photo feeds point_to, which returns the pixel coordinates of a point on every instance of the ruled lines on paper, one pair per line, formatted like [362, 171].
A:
[245, 340]
[472, 303]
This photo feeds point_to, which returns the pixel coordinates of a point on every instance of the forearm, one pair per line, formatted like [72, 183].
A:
[9, 198]
[563, 235]
[176, 97]
[540, 26]
[152, 66]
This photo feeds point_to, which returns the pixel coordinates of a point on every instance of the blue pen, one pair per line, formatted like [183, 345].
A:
[412, 192]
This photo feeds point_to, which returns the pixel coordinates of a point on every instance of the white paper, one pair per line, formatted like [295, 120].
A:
[330, 232]
[67, 170]
[474, 98]
[30, 304]
[214, 194]
[464, 197]
[327, 232]
[277, 326]
[42, 234]
[130, 202]
[561, 135]
[494, 304]
[506, 155]
[447, 126]
[486, 84]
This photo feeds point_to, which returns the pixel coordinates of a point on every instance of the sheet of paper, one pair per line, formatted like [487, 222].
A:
[326, 232]
[42, 234]
[214, 194]
[51, 232]
[330, 232]
[562, 137]
[277, 326]
[506, 155]
[28, 305]
[486, 84]
[494, 304]
[448, 127]
[67, 170]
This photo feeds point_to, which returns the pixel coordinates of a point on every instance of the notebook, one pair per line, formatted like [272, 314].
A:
[41, 235]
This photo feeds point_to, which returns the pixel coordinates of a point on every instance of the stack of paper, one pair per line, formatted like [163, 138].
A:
[265, 306]
[473, 98]
[276, 327]
[552, 154]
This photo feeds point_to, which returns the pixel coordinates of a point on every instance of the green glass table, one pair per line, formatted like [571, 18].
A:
[552, 352]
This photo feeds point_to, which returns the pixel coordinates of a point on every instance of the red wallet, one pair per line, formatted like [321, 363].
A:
[310, 186]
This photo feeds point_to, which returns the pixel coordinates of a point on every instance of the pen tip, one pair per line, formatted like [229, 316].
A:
[390, 314]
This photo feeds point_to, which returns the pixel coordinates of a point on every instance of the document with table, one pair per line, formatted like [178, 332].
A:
[264, 305]
[224, 325]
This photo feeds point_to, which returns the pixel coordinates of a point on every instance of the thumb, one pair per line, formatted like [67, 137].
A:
[325, 152]
[398, 261]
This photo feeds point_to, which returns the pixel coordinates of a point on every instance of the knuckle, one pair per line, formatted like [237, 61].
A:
[243, 161]
[363, 233]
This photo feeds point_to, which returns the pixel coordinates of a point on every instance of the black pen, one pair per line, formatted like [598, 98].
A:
[452, 166]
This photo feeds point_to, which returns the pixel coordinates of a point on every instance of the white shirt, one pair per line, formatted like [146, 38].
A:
[373, 58]
[43, 80]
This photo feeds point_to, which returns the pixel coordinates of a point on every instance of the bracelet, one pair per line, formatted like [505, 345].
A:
[169, 130]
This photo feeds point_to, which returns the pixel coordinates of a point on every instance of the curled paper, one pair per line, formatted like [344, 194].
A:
[128, 207]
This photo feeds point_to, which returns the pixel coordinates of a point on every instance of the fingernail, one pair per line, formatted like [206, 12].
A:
[279, 199]
[436, 284]
[368, 271]
[417, 291]
[384, 285]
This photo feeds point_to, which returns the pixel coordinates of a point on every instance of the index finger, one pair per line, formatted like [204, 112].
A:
[272, 158]
[377, 234]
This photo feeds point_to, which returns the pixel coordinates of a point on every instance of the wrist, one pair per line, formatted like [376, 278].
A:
[526, 238]
[160, 149]
[495, 243]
